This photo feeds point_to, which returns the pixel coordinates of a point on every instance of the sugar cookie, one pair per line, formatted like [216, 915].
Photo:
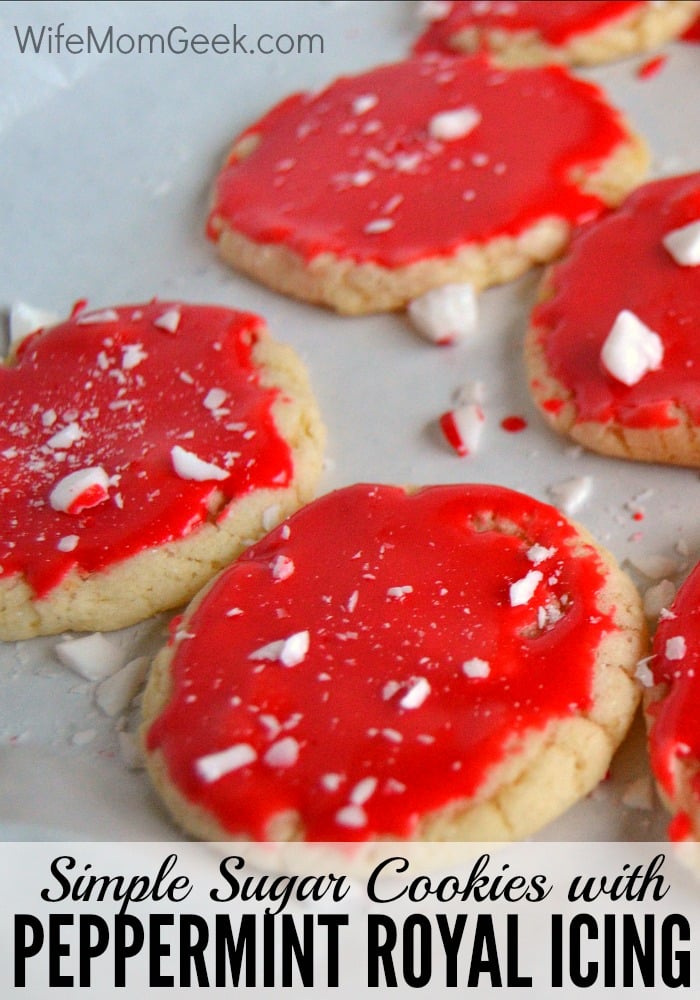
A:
[611, 351]
[433, 171]
[448, 664]
[142, 447]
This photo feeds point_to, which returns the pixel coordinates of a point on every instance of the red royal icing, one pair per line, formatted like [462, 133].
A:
[354, 171]
[514, 424]
[675, 732]
[556, 23]
[651, 67]
[621, 263]
[396, 593]
[693, 32]
[133, 391]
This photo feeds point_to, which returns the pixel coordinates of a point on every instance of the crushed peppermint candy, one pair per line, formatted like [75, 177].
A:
[363, 791]
[80, 490]
[103, 316]
[684, 244]
[282, 567]
[476, 667]
[462, 427]
[352, 816]
[455, 124]
[416, 692]
[675, 648]
[132, 355]
[289, 652]
[66, 437]
[379, 226]
[169, 321]
[398, 593]
[283, 753]
[215, 398]
[643, 672]
[631, 349]
[93, 656]
[364, 103]
[539, 553]
[571, 494]
[522, 591]
[189, 466]
[216, 765]
[445, 315]
[68, 543]
[26, 319]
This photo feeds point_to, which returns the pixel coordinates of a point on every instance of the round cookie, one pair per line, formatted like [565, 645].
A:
[611, 351]
[536, 32]
[671, 703]
[365, 195]
[446, 664]
[143, 447]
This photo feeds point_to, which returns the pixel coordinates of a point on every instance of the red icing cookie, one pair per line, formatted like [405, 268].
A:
[413, 175]
[673, 709]
[611, 350]
[140, 446]
[446, 664]
[532, 32]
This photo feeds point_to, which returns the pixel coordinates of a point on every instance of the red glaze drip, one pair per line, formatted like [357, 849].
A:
[514, 424]
[323, 172]
[693, 32]
[131, 405]
[556, 23]
[639, 275]
[651, 67]
[675, 733]
[395, 590]
[680, 828]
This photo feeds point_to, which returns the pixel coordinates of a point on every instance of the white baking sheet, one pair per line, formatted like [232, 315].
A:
[106, 163]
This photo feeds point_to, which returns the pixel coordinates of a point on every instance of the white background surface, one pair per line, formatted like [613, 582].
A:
[106, 164]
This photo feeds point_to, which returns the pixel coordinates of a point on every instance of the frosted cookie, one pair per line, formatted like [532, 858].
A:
[673, 696]
[612, 351]
[142, 447]
[427, 172]
[390, 665]
[535, 32]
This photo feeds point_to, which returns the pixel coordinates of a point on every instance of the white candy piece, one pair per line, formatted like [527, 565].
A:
[215, 398]
[445, 315]
[539, 553]
[463, 427]
[187, 465]
[571, 494]
[25, 319]
[216, 765]
[522, 590]
[114, 695]
[684, 244]
[103, 316]
[67, 436]
[416, 693]
[68, 543]
[353, 817]
[132, 355]
[289, 652]
[643, 673]
[80, 490]
[675, 648]
[631, 349]
[456, 124]
[91, 656]
[169, 321]
[283, 753]
[476, 667]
